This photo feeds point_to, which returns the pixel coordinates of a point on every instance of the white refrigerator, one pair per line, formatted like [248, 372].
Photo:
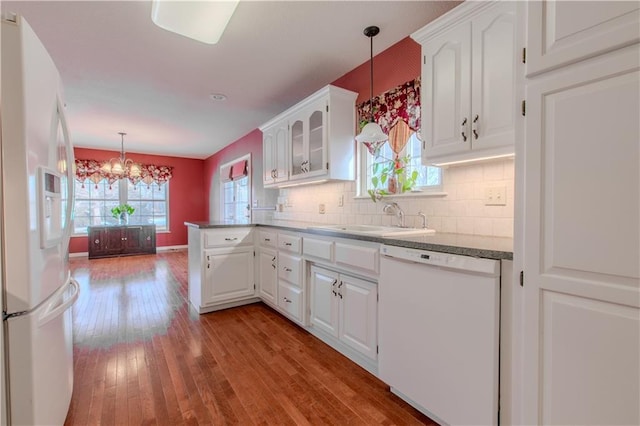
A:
[36, 209]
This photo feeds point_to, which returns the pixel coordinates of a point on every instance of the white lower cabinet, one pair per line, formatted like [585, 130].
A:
[228, 274]
[221, 268]
[345, 307]
[268, 275]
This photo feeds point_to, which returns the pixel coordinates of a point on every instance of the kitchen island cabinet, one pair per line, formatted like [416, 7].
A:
[127, 240]
[221, 268]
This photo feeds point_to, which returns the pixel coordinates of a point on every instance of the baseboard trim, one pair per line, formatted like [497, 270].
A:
[158, 250]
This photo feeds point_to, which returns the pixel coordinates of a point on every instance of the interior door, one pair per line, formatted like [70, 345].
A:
[582, 275]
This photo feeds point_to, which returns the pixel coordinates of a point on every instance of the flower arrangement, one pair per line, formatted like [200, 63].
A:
[123, 209]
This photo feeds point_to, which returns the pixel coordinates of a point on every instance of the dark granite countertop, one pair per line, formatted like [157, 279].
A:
[469, 245]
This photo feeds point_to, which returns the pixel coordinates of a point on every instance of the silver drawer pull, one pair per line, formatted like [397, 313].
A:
[97, 241]
[287, 244]
[230, 239]
[267, 239]
[287, 269]
[286, 300]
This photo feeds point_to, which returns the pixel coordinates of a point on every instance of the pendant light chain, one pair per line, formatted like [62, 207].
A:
[371, 92]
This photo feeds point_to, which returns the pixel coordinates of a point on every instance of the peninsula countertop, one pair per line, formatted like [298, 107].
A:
[468, 245]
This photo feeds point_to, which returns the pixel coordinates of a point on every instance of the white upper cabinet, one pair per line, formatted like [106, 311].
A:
[275, 144]
[320, 139]
[307, 130]
[564, 32]
[469, 76]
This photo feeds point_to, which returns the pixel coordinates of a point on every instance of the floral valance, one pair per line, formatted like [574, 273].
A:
[400, 103]
[96, 172]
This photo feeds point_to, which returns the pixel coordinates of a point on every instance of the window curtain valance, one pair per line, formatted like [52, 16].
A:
[234, 171]
[397, 111]
[94, 171]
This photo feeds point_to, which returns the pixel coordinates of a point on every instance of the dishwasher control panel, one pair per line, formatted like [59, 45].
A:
[454, 261]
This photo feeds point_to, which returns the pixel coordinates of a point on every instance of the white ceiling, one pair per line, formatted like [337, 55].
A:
[122, 73]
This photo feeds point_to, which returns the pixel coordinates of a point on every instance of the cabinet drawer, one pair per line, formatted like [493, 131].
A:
[290, 243]
[290, 269]
[365, 258]
[290, 300]
[320, 249]
[227, 237]
[267, 238]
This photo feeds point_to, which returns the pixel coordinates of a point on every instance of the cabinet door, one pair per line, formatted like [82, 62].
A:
[493, 111]
[148, 239]
[358, 315]
[324, 301]
[114, 241]
[298, 157]
[131, 239]
[582, 275]
[281, 143]
[228, 274]
[316, 139]
[268, 275]
[97, 242]
[446, 76]
[563, 32]
[268, 157]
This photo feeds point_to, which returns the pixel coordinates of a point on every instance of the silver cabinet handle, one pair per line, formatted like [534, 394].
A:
[287, 244]
[333, 287]
[340, 292]
[267, 239]
[230, 239]
[475, 126]
[97, 241]
[464, 123]
[286, 300]
[287, 269]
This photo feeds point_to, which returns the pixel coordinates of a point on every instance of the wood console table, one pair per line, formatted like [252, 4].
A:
[127, 240]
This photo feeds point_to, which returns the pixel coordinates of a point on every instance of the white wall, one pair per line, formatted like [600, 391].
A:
[462, 210]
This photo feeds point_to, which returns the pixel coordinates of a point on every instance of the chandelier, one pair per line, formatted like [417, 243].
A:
[122, 167]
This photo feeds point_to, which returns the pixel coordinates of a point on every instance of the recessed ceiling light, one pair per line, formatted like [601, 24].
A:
[217, 97]
[204, 21]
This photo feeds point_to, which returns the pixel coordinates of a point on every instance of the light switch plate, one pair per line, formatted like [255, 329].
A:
[495, 196]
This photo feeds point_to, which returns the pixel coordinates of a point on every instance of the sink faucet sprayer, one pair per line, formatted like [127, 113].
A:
[391, 208]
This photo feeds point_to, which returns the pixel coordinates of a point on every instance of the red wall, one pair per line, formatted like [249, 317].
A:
[396, 65]
[187, 199]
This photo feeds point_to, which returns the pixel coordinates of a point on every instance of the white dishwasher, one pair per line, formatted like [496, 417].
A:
[438, 325]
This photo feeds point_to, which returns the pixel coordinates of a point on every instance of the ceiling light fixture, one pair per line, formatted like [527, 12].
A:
[122, 167]
[217, 97]
[372, 135]
[203, 21]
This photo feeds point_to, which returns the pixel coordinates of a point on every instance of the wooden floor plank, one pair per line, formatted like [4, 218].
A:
[143, 356]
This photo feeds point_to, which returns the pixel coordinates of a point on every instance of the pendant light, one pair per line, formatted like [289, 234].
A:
[122, 167]
[372, 135]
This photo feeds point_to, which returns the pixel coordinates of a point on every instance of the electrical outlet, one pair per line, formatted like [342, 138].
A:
[321, 208]
[495, 196]
[341, 201]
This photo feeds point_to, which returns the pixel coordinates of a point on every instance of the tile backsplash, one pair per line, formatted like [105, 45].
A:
[462, 210]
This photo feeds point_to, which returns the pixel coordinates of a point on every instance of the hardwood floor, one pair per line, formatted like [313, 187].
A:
[142, 356]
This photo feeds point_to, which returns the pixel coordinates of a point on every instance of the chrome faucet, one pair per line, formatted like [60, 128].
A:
[424, 219]
[391, 208]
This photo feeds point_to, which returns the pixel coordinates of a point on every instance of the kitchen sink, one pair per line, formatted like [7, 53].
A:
[375, 230]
